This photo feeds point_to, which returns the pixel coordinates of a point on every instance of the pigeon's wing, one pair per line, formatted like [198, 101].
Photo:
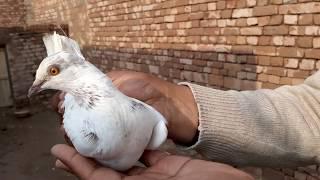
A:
[55, 43]
[160, 131]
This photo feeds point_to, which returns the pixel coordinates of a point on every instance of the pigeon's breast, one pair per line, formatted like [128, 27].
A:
[95, 132]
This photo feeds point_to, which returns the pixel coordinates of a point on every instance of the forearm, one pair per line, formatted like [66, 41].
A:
[264, 127]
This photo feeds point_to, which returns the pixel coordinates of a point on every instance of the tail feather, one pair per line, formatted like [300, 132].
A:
[160, 131]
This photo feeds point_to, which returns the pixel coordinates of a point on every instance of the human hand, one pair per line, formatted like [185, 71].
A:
[174, 102]
[159, 165]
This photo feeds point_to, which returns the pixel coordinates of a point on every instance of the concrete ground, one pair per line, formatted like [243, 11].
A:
[25, 146]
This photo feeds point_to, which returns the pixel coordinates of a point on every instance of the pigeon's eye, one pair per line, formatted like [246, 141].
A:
[54, 71]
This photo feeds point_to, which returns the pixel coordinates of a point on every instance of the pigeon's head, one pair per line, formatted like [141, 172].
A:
[61, 68]
[58, 72]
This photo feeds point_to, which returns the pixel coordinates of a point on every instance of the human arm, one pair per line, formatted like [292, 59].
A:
[276, 128]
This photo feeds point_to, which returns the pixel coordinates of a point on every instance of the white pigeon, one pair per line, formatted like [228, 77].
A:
[101, 122]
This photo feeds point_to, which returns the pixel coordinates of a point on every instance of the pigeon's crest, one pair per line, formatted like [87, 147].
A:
[56, 43]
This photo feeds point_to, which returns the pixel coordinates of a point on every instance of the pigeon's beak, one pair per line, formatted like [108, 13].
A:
[35, 88]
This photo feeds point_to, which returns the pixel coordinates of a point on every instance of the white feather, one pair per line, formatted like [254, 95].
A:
[55, 43]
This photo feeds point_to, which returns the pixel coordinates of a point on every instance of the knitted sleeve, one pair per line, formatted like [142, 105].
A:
[273, 128]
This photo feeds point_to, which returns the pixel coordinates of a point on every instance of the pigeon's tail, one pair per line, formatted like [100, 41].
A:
[159, 136]
[56, 43]
[160, 131]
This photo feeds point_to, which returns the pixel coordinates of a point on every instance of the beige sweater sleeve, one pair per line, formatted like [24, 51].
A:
[276, 128]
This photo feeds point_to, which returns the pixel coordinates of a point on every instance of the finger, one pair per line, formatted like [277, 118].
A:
[82, 167]
[149, 158]
[135, 170]
[60, 165]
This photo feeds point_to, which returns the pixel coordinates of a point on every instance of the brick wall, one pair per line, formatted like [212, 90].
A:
[12, 13]
[25, 51]
[226, 44]
[244, 44]
[73, 13]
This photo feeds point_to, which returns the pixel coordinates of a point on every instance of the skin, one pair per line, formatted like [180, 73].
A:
[177, 105]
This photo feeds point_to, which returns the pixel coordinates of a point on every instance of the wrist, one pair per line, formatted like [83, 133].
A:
[186, 120]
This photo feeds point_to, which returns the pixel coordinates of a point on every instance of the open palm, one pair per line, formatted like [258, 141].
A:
[159, 165]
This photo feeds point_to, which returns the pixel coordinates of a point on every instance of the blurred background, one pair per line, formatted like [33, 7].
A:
[226, 44]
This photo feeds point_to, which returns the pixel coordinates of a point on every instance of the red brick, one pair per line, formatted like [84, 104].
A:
[276, 71]
[312, 53]
[238, 13]
[264, 60]
[307, 64]
[226, 14]
[250, 85]
[270, 86]
[264, 40]
[221, 4]
[230, 31]
[241, 75]
[297, 30]
[263, 77]
[215, 80]
[276, 20]
[212, 6]
[231, 4]
[285, 81]
[274, 79]
[263, 21]
[297, 73]
[302, 8]
[305, 42]
[265, 50]
[305, 19]
[265, 10]
[251, 3]
[316, 43]
[291, 19]
[276, 61]
[316, 18]
[276, 30]
[291, 63]
[251, 31]
[241, 4]
[232, 83]
[290, 52]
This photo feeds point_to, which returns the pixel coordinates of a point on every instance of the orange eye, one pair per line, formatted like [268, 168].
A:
[54, 71]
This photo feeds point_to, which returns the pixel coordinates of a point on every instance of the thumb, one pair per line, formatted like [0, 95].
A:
[150, 158]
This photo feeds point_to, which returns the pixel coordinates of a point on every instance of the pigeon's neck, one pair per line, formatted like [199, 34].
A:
[91, 87]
